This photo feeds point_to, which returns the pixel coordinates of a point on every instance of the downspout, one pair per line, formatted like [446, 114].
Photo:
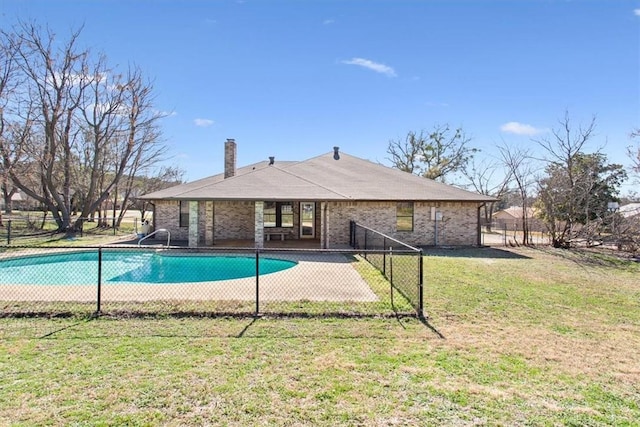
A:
[153, 224]
[478, 227]
[435, 231]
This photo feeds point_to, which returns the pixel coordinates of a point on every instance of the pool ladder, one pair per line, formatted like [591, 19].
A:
[160, 230]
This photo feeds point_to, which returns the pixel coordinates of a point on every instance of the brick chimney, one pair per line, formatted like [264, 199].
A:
[229, 158]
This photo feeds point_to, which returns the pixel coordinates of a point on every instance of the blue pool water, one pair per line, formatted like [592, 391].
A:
[81, 268]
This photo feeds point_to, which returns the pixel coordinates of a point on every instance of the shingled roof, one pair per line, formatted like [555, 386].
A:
[323, 178]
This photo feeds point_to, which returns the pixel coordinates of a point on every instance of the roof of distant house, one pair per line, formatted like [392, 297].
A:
[515, 212]
[630, 209]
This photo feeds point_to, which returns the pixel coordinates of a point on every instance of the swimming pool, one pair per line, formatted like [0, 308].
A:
[132, 267]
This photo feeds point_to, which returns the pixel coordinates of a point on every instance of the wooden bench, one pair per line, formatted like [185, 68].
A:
[268, 234]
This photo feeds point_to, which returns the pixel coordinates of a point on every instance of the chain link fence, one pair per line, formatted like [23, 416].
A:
[128, 281]
[18, 229]
[511, 234]
[399, 263]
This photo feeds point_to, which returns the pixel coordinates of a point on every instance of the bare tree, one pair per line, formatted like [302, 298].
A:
[436, 155]
[406, 155]
[634, 154]
[12, 144]
[489, 178]
[148, 151]
[9, 84]
[85, 126]
[518, 163]
[53, 79]
[121, 138]
[162, 178]
[561, 151]
[577, 186]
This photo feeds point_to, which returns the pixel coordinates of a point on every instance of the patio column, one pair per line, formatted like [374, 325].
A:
[323, 225]
[193, 224]
[208, 228]
[259, 224]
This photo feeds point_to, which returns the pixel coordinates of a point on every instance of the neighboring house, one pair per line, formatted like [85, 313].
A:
[630, 210]
[511, 219]
[17, 201]
[316, 199]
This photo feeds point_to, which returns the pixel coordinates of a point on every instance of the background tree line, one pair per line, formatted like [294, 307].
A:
[75, 133]
[568, 188]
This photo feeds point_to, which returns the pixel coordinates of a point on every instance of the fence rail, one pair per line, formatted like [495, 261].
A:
[21, 229]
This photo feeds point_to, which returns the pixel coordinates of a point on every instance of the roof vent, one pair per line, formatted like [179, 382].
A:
[336, 153]
[272, 160]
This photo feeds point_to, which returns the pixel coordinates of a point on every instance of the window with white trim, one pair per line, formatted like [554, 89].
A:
[184, 213]
[278, 214]
[404, 216]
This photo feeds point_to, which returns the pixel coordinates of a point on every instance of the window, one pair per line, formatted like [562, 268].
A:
[184, 213]
[269, 214]
[404, 216]
[278, 214]
[286, 214]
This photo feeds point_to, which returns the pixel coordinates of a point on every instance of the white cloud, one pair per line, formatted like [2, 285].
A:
[436, 104]
[328, 21]
[203, 122]
[520, 129]
[636, 12]
[374, 66]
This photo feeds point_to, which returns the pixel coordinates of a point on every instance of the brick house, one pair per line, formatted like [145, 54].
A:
[511, 219]
[316, 199]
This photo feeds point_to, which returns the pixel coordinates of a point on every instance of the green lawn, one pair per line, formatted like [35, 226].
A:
[518, 337]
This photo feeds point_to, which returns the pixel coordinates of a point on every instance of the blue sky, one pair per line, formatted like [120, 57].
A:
[292, 79]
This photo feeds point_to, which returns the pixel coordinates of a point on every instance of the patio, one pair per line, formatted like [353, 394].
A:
[233, 243]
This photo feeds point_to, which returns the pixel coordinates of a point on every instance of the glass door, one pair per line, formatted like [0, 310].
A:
[307, 220]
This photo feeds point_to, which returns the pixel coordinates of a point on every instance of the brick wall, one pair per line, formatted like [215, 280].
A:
[224, 220]
[167, 215]
[235, 220]
[458, 225]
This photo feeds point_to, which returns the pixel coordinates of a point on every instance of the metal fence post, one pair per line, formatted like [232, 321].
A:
[351, 238]
[420, 284]
[257, 281]
[504, 233]
[365, 244]
[391, 265]
[391, 273]
[99, 297]
[384, 256]
[8, 232]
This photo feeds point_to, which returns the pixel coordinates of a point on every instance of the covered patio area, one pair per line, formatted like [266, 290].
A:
[235, 243]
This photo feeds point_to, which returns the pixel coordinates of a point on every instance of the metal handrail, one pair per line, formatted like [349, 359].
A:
[155, 232]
